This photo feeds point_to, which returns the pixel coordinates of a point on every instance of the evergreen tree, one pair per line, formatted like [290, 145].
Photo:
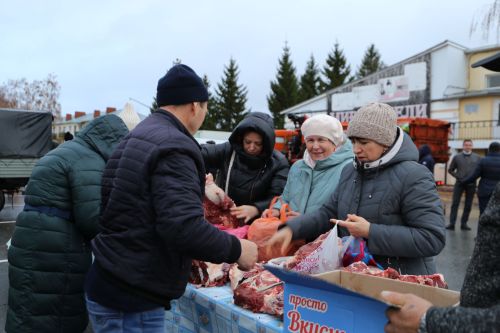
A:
[284, 91]
[336, 70]
[154, 105]
[212, 117]
[309, 81]
[371, 62]
[230, 98]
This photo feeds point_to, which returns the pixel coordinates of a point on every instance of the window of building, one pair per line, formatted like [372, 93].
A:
[493, 81]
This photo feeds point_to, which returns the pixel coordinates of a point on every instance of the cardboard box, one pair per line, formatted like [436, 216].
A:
[345, 302]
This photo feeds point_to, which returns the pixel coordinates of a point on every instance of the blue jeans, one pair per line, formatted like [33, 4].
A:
[107, 320]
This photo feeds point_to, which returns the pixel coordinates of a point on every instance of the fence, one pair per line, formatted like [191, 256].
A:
[475, 130]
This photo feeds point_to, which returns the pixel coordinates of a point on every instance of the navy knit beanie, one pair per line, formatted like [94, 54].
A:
[180, 86]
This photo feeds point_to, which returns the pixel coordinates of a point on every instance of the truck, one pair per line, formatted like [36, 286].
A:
[290, 142]
[25, 136]
[432, 132]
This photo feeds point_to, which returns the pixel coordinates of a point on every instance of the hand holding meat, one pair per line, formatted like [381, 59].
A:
[245, 212]
[248, 256]
[356, 225]
[407, 318]
[283, 237]
[212, 191]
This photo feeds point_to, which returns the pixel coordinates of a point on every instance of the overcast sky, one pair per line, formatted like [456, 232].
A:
[105, 52]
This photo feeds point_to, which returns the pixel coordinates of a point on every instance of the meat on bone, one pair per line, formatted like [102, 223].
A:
[249, 294]
[217, 204]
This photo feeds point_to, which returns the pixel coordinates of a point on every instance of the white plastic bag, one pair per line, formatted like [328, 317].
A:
[327, 257]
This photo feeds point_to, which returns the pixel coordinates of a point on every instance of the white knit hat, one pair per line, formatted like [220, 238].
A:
[326, 126]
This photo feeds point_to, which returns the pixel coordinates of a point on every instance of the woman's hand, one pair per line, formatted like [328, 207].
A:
[291, 214]
[283, 237]
[356, 225]
[245, 212]
[271, 212]
[407, 318]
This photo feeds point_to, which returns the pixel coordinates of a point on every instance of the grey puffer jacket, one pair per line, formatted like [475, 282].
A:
[399, 198]
[479, 309]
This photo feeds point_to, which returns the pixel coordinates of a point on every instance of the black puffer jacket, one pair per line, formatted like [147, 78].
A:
[253, 180]
[152, 216]
[479, 310]
[399, 198]
[488, 169]
[50, 252]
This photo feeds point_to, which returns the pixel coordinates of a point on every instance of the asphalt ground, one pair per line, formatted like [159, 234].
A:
[451, 262]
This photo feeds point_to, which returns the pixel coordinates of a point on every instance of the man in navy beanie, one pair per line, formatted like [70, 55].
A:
[152, 217]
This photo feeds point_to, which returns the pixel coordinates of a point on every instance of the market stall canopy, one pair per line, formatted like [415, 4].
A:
[492, 63]
[25, 133]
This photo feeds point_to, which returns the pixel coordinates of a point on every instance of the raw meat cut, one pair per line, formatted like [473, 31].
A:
[216, 205]
[248, 296]
[205, 274]
[433, 280]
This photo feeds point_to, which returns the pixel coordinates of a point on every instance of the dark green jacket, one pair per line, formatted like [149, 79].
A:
[50, 255]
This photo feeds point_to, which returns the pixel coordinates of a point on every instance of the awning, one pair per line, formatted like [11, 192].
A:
[492, 63]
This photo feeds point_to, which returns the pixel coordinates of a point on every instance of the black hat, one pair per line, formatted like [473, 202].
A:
[180, 86]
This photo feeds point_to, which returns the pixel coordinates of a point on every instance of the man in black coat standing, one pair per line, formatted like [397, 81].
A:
[489, 171]
[152, 217]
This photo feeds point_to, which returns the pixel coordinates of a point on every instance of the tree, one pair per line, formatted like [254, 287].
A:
[309, 81]
[371, 62]
[212, 118]
[37, 95]
[230, 98]
[154, 105]
[488, 21]
[336, 70]
[284, 91]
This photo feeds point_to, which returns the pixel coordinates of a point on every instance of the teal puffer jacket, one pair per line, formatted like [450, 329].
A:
[50, 251]
[308, 189]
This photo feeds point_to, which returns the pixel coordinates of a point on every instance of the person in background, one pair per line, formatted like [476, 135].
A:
[461, 166]
[50, 248]
[313, 179]
[488, 169]
[152, 218]
[250, 171]
[385, 197]
[425, 157]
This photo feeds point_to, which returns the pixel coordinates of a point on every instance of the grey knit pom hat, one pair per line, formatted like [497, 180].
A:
[374, 121]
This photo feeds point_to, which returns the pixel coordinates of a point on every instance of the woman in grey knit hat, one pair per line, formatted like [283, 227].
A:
[385, 197]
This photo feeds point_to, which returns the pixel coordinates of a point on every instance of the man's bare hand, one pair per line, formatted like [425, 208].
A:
[283, 237]
[248, 256]
[407, 318]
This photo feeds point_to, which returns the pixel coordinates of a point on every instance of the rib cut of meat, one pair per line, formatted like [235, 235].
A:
[248, 296]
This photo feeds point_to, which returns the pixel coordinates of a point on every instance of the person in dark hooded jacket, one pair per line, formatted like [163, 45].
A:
[385, 197]
[50, 249]
[426, 158]
[488, 169]
[249, 169]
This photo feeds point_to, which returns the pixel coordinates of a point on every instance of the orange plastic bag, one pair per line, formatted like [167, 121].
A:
[262, 229]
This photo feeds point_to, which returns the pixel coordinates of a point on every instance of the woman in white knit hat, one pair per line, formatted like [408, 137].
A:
[312, 180]
[385, 197]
